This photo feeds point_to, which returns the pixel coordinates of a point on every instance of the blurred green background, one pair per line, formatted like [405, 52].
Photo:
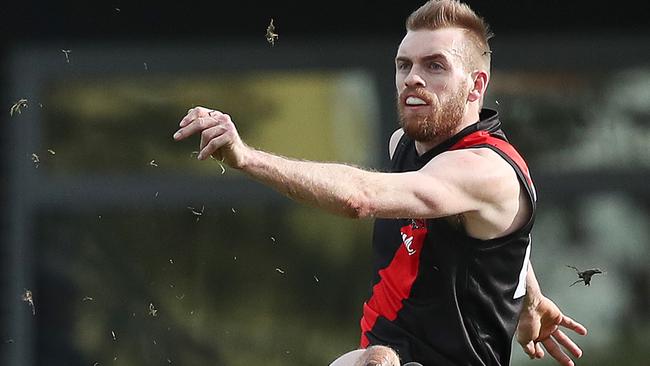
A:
[105, 232]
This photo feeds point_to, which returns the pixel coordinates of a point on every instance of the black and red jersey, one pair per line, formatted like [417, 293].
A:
[441, 297]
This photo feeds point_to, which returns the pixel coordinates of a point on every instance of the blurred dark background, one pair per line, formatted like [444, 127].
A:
[134, 253]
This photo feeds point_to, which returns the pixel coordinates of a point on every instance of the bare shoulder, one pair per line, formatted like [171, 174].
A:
[394, 139]
[480, 171]
[486, 180]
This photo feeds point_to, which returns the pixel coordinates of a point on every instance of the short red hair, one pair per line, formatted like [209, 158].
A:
[436, 14]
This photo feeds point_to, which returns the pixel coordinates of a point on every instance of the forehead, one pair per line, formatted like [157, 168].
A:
[425, 42]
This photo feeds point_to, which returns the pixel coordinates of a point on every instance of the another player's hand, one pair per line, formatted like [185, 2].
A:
[539, 324]
[219, 137]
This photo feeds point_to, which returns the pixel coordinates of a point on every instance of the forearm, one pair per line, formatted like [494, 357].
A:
[337, 188]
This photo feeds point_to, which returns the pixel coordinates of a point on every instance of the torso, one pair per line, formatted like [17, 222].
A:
[448, 291]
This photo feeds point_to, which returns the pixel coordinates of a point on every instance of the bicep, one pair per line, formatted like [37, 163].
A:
[446, 186]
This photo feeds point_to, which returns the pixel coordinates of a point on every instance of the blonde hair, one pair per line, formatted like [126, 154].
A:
[436, 14]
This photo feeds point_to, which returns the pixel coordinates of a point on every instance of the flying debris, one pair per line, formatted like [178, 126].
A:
[585, 276]
[67, 55]
[16, 108]
[271, 36]
[28, 298]
[152, 310]
[196, 213]
[36, 160]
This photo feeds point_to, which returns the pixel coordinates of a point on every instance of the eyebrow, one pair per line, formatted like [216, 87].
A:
[431, 57]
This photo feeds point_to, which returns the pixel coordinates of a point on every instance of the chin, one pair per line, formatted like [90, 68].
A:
[419, 130]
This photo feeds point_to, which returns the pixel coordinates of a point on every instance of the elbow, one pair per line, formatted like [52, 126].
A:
[359, 206]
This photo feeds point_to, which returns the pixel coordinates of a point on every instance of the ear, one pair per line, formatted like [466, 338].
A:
[480, 80]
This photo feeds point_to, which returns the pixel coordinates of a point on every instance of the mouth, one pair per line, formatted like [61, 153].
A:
[415, 98]
[413, 101]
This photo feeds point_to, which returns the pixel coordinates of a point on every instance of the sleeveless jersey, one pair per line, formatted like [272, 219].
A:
[441, 297]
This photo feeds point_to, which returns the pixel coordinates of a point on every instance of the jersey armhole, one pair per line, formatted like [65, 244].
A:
[394, 142]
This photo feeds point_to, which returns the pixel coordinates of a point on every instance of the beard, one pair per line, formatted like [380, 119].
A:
[439, 121]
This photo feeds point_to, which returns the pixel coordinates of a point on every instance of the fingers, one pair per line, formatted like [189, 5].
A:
[194, 113]
[198, 119]
[217, 131]
[209, 134]
[567, 343]
[198, 124]
[529, 349]
[539, 352]
[573, 325]
[212, 146]
[556, 352]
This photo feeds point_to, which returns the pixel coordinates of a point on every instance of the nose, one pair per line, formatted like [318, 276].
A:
[413, 80]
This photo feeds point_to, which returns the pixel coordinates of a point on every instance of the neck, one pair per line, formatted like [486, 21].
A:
[468, 119]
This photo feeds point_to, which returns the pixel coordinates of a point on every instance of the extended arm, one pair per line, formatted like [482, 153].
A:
[539, 324]
[449, 185]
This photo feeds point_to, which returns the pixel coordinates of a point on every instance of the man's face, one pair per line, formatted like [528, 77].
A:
[432, 84]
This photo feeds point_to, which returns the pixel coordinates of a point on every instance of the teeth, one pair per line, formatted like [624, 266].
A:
[415, 101]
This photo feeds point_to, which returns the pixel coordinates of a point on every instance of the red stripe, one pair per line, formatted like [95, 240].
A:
[395, 280]
[483, 137]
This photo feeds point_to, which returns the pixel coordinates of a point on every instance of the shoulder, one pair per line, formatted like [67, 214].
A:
[394, 140]
[481, 171]
[490, 184]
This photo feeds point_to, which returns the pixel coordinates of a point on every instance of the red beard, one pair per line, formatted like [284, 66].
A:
[440, 119]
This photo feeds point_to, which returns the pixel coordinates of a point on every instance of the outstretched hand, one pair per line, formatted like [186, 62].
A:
[539, 324]
[219, 137]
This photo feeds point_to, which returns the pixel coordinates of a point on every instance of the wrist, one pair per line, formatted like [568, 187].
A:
[246, 158]
[532, 300]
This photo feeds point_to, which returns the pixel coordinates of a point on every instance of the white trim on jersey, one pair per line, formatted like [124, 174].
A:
[521, 285]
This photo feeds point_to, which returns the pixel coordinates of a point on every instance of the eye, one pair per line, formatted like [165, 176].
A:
[436, 66]
[402, 66]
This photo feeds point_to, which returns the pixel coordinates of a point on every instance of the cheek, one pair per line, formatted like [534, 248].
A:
[399, 82]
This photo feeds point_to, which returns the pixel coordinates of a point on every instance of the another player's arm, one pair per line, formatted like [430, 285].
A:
[453, 183]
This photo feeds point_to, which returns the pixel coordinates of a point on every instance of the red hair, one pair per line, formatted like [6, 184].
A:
[436, 14]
